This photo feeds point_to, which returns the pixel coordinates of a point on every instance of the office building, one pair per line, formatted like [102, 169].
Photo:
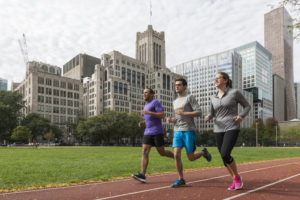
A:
[200, 77]
[257, 77]
[3, 84]
[279, 42]
[49, 94]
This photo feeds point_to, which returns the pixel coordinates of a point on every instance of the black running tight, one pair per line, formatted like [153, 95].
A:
[225, 142]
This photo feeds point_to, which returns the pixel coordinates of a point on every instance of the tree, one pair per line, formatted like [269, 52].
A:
[21, 133]
[10, 112]
[50, 137]
[57, 132]
[295, 7]
[134, 132]
[37, 124]
[270, 131]
[247, 136]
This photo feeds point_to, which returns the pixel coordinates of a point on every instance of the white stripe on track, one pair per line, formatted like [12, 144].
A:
[202, 180]
[262, 187]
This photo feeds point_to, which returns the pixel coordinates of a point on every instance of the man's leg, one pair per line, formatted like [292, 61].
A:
[178, 162]
[163, 152]
[144, 164]
[159, 143]
[145, 157]
[194, 155]
[189, 140]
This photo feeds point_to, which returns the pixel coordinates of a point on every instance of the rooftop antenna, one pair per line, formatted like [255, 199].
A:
[150, 12]
[23, 47]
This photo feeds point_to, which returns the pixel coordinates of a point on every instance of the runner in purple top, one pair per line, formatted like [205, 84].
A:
[153, 136]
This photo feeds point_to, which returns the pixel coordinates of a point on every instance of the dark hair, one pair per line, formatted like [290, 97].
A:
[151, 91]
[226, 77]
[183, 81]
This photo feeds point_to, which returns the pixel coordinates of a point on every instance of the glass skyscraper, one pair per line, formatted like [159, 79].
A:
[200, 77]
[3, 84]
[257, 77]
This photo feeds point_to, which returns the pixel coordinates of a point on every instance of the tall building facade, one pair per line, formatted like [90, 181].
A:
[279, 41]
[278, 98]
[3, 84]
[257, 77]
[50, 95]
[297, 95]
[80, 66]
[150, 48]
[200, 75]
[119, 80]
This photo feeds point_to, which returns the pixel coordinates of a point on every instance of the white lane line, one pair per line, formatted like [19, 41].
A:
[202, 180]
[262, 187]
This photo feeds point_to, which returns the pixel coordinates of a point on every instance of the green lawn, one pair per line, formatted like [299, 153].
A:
[23, 168]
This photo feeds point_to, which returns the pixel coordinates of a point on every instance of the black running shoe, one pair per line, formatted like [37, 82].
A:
[207, 155]
[140, 177]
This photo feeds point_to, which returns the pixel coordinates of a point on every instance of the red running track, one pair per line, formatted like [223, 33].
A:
[277, 179]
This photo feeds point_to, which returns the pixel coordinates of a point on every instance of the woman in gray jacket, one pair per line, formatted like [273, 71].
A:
[224, 108]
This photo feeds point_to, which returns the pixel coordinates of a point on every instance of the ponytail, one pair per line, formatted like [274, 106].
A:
[226, 77]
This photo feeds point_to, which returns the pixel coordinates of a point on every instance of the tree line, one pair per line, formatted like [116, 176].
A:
[14, 127]
[117, 128]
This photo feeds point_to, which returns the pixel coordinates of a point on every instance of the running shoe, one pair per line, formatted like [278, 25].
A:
[178, 183]
[140, 177]
[232, 187]
[207, 155]
[238, 183]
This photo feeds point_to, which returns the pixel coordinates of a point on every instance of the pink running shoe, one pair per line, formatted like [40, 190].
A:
[232, 187]
[238, 183]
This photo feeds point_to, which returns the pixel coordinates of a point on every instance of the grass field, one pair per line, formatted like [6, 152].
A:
[26, 168]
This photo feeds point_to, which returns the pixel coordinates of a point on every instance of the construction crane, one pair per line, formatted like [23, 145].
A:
[23, 47]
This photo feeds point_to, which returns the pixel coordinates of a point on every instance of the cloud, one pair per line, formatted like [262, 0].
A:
[58, 30]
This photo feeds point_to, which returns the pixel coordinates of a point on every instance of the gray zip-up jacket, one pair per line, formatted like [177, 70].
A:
[225, 109]
[187, 103]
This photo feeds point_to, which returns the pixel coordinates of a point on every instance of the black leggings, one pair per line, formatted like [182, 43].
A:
[225, 142]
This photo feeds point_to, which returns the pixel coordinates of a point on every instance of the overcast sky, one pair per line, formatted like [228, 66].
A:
[58, 30]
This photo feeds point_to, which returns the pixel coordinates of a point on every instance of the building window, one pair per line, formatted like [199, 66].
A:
[55, 92]
[63, 84]
[41, 90]
[123, 73]
[115, 87]
[40, 108]
[128, 75]
[125, 89]
[41, 99]
[76, 87]
[63, 93]
[40, 80]
[70, 86]
[121, 88]
[56, 83]
[48, 91]
[70, 94]
[48, 82]
[70, 103]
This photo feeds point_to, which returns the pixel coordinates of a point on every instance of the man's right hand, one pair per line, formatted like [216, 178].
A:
[207, 118]
[141, 124]
[171, 120]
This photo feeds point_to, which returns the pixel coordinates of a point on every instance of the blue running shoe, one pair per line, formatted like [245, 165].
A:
[207, 155]
[178, 183]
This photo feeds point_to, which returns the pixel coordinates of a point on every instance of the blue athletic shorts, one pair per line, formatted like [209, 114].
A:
[185, 139]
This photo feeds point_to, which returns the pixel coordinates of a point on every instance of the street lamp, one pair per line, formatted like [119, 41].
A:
[276, 133]
[256, 124]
